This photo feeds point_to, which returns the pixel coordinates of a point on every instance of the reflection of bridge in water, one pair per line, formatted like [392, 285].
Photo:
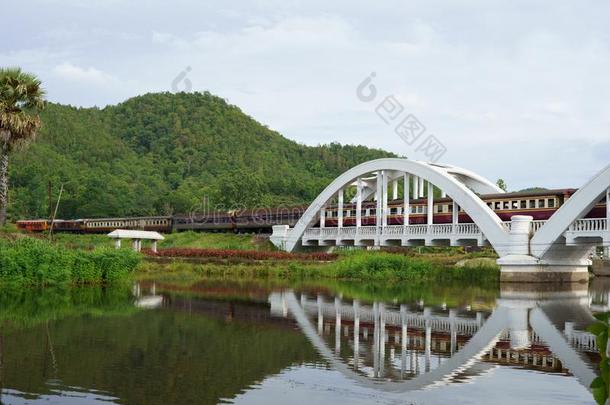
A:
[405, 347]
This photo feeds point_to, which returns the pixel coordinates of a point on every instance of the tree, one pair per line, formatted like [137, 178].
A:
[500, 183]
[21, 99]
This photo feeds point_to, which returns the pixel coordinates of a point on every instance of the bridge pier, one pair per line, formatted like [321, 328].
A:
[520, 266]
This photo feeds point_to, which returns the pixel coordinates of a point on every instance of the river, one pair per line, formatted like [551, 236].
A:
[307, 342]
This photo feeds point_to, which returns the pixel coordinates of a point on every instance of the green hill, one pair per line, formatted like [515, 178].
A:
[163, 153]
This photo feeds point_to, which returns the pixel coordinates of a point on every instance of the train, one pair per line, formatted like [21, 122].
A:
[538, 204]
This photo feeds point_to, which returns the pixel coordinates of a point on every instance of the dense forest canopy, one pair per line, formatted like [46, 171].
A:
[165, 153]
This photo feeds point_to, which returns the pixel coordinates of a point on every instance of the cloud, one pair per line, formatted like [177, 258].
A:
[90, 75]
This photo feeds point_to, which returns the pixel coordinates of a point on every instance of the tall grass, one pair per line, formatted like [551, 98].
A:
[35, 262]
[351, 265]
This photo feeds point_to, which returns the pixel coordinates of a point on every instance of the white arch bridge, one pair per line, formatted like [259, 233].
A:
[557, 249]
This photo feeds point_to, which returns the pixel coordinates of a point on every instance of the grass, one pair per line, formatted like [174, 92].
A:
[190, 239]
[351, 265]
[36, 262]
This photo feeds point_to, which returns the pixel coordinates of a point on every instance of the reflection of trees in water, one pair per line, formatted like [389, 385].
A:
[185, 352]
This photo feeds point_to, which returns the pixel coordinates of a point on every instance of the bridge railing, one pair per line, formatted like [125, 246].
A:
[589, 225]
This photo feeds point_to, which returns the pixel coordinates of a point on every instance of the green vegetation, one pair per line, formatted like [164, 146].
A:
[28, 261]
[21, 99]
[203, 240]
[27, 307]
[600, 387]
[352, 265]
[163, 153]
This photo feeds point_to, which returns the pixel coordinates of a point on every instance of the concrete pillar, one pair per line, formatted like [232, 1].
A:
[406, 209]
[117, 243]
[430, 203]
[134, 244]
[379, 205]
[323, 217]
[153, 246]
[415, 187]
[607, 211]
[359, 203]
[421, 187]
[394, 189]
[384, 196]
[340, 209]
[455, 214]
[520, 234]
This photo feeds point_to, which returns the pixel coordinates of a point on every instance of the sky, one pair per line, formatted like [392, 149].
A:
[515, 90]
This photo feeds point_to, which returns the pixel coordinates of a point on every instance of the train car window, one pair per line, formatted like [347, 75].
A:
[515, 204]
[523, 204]
[551, 203]
[531, 203]
[367, 212]
[541, 203]
[498, 205]
[450, 208]
[372, 212]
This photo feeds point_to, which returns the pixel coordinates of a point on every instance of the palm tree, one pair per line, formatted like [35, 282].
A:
[21, 99]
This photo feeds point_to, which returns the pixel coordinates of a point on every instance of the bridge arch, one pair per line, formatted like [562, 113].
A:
[546, 244]
[459, 184]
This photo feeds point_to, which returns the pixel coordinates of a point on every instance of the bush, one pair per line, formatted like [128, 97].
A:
[29, 261]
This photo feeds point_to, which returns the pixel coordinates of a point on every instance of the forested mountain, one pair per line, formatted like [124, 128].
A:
[163, 153]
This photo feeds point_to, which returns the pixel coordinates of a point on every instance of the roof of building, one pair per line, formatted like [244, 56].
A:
[130, 234]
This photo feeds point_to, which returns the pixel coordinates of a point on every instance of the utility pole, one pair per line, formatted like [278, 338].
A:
[61, 190]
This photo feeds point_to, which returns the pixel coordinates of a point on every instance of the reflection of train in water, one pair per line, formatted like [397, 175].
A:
[539, 204]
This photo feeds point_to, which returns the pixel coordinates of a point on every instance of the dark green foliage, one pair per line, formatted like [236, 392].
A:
[163, 153]
[600, 387]
[29, 261]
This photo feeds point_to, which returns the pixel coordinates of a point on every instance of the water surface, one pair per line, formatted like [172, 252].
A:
[221, 341]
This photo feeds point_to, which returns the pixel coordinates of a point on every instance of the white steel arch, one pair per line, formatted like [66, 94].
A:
[455, 182]
[545, 244]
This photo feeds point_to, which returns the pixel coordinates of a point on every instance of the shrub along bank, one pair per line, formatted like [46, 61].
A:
[29, 261]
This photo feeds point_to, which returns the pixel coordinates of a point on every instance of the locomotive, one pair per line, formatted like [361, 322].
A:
[538, 204]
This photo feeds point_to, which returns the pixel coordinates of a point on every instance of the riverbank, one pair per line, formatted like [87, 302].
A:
[81, 259]
[349, 265]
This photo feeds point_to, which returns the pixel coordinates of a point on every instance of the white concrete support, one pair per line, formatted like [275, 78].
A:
[117, 243]
[406, 209]
[153, 246]
[608, 209]
[520, 234]
[384, 196]
[359, 203]
[421, 187]
[394, 189]
[379, 205]
[455, 214]
[134, 244]
[340, 209]
[415, 187]
[323, 217]
[430, 204]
